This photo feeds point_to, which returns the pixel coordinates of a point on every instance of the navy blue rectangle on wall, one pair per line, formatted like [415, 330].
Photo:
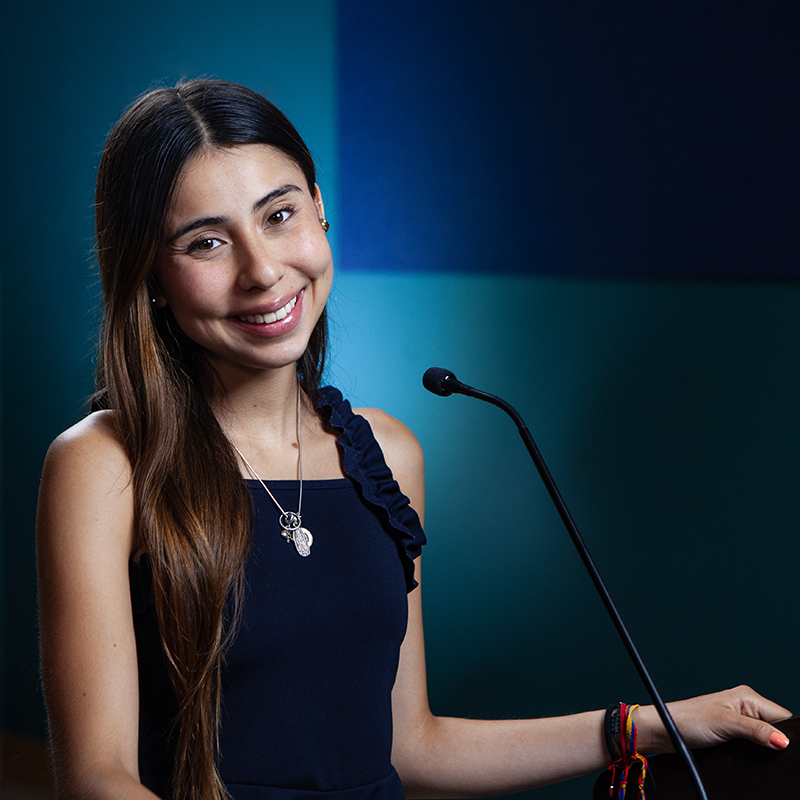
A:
[620, 139]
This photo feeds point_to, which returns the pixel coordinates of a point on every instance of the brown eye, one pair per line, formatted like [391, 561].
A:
[203, 245]
[279, 216]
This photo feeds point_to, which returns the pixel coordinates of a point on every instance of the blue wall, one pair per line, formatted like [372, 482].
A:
[514, 197]
[586, 139]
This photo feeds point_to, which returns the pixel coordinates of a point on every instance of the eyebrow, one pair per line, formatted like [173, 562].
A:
[257, 206]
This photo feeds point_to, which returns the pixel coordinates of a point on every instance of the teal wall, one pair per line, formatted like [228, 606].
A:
[2, 538]
[666, 409]
[69, 71]
[667, 412]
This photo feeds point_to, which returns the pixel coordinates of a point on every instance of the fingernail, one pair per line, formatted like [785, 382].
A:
[778, 740]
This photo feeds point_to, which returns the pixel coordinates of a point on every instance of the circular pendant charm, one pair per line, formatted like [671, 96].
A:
[301, 538]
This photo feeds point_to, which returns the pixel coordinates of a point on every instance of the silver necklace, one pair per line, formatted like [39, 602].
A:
[290, 521]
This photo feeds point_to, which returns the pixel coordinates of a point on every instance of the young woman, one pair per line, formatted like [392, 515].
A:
[228, 554]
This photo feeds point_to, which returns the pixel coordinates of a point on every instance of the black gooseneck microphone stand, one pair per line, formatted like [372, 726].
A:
[444, 383]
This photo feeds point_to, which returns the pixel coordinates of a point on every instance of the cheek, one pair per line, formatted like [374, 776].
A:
[323, 280]
[312, 254]
[190, 290]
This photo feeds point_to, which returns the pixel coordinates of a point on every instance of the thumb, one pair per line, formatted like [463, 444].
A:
[763, 733]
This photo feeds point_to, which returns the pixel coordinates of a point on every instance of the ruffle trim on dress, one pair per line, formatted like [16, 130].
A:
[364, 463]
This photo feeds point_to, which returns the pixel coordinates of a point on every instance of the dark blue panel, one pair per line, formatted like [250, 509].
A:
[622, 139]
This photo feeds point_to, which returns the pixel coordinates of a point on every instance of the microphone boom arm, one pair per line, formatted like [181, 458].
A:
[443, 382]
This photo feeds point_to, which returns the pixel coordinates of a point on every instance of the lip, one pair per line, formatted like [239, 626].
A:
[271, 329]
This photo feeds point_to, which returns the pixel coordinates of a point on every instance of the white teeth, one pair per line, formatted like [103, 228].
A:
[273, 316]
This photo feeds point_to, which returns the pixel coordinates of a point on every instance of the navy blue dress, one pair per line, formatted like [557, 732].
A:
[307, 682]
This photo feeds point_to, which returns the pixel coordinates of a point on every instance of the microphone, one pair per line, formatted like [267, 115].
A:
[444, 383]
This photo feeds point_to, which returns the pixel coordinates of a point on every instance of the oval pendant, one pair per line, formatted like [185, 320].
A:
[303, 540]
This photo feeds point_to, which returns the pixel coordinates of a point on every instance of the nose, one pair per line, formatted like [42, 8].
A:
[258, 265]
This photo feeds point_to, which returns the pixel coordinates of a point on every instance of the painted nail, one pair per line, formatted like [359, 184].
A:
[778, 740]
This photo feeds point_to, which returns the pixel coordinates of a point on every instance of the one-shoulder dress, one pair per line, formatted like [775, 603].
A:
[307, 682]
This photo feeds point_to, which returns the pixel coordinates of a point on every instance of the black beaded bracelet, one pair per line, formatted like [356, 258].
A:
[611, 731]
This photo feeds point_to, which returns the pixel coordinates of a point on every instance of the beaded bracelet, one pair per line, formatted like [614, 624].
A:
[611, 731]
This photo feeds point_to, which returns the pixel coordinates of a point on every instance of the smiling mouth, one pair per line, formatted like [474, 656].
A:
[273, 316]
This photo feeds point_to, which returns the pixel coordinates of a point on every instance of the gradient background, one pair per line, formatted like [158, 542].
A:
[590, 209]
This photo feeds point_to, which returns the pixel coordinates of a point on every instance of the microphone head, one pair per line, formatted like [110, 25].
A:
[436, 379]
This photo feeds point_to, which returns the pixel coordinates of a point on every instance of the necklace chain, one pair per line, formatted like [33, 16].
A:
[290, 521]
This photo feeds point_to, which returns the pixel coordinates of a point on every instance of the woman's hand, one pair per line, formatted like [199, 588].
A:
[711, 719]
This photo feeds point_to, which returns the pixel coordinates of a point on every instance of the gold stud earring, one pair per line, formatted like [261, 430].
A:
[325, 224]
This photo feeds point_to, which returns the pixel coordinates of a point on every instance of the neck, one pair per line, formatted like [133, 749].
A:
[260, 406]
[258, 413]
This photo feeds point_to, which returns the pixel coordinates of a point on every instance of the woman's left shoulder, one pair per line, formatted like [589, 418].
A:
[402, 453]
[400, 447]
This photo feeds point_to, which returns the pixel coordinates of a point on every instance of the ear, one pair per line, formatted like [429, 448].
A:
[157, 299]
[318, 201]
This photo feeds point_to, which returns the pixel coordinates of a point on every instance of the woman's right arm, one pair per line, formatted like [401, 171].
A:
[85, 536]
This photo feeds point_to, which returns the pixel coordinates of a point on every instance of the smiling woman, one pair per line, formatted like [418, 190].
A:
[247, 268]
[188, 650]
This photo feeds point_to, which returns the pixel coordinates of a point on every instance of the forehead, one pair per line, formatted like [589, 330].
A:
[231, 176]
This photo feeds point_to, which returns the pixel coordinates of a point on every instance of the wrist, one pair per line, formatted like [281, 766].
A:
[653, 736]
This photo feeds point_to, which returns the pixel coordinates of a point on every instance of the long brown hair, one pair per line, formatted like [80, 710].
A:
[192, 507]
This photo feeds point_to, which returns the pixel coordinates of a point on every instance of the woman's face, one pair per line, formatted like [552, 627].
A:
[246, 268]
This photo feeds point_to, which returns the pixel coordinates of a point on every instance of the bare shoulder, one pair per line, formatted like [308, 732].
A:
[94, 441]
[402, 452]
[86, 481]
[396, 440]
